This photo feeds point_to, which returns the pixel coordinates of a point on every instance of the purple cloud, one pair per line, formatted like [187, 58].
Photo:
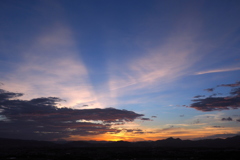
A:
[227, 119]
[211, 103]
[237, 84]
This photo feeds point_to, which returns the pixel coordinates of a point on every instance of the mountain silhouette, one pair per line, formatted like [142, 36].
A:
[169, 142]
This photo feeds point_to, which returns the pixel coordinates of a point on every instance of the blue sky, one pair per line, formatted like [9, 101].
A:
[150, 57]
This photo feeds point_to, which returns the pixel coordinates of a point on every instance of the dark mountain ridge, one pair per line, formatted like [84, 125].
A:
[169, 142]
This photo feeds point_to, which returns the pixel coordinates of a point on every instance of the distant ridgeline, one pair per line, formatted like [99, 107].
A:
[169, 142]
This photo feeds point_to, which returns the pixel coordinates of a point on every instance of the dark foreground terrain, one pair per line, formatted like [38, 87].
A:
[169, 149]
[120, 153]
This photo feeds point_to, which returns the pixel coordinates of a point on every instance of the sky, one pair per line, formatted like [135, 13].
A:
[110, 70]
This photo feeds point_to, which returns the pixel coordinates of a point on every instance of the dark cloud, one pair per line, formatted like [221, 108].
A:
[215, 94]
[218, 136]
[230, 85]
[146, 119]
[209, 89]
[235, 91]
[199, 96]
[40, 118]
[4, 95]
[134, 131]
[211, 103]
[227, 119]
[154, 116]
[216, 103]
[217, 126]
[139, 132]
[238, 120]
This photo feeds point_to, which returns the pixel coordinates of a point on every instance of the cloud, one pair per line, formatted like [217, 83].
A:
[151, 69]
[146, 119]
[134, 131]
[40, 119]
[227, 119]
[218, 70]
[209, 89]
[7, 95]
[235, 91]
[227, 135]
[171, 128]
[198, 96]
[216, 103]
[238, 120]
[217, 126]
[219, 103]
[230, 85]
[51, 65]
[161, 65]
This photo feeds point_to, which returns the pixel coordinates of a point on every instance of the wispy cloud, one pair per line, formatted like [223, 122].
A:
[51, 66]
[218, 70]
[154, 69]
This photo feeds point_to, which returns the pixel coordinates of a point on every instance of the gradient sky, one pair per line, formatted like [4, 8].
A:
[153, 68]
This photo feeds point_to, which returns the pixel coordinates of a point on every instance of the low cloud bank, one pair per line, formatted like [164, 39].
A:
[41, 119]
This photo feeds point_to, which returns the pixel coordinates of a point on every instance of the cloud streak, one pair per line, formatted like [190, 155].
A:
[155, 68]
[51, 66]
[218, 70]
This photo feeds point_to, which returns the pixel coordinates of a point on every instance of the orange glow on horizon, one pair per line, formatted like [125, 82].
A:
[130, 137]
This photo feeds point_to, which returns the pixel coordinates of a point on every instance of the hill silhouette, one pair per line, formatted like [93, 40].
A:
[169, 142]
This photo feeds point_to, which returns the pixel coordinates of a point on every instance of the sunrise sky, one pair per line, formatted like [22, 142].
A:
[112, 70]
